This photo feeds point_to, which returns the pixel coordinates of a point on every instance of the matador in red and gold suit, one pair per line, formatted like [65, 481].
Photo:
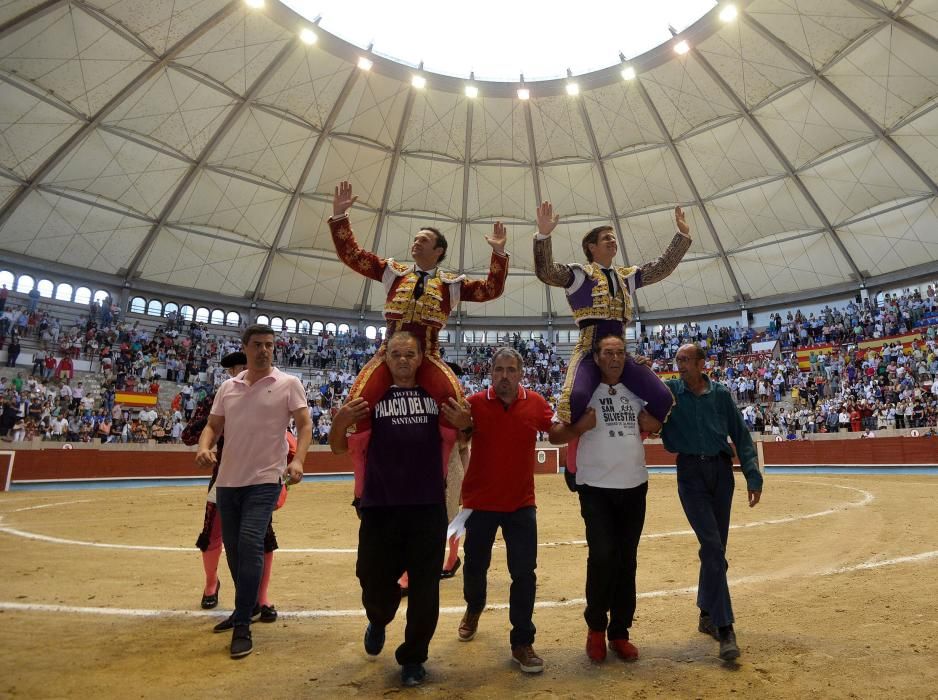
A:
[418, 298]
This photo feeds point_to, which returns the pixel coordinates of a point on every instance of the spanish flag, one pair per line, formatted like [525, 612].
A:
[136, 398]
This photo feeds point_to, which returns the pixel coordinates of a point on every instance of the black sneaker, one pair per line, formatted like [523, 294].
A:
[729, 650]
[210, 601]
[268, 613]
[241, 644]
[706, 626]
[374, 639]
[413, 675]
[228, 622]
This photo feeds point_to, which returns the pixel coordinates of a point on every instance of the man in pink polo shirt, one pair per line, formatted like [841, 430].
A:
[253, 411]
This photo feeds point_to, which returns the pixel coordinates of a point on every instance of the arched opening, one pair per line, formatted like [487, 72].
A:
[218, 317]
[138, 305]
[64, 292]
[83, 296]
[25, 284]
[45, 288]
[201, 315]
[233, 319]
[291, 325]
[186, 312]
[155, 308]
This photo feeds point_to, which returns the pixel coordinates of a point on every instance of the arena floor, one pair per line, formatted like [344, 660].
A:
[833, 576]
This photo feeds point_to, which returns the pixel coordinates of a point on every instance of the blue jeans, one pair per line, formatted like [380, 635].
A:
[519, 528]
[245, 512]
[705, 488]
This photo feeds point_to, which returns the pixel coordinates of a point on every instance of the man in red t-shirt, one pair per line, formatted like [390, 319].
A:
[499, 490]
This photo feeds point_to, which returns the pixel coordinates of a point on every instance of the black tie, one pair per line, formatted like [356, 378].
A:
[418, 288]
[609, 278]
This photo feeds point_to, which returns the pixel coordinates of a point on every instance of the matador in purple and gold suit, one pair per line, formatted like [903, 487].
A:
[601, 300]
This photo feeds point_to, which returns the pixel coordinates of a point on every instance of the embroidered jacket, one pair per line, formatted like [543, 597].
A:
[442, 290]
[588, 288]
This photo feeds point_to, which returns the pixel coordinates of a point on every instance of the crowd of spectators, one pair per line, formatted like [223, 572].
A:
[842, 389]
[878, 316]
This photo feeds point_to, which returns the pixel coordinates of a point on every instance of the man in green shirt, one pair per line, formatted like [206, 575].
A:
[703, 416]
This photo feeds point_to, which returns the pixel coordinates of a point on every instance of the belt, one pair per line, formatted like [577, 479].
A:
[702, 458]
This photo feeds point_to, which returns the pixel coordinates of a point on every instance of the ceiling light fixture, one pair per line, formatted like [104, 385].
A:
[523, 93]
[256, 4]
[573, 89]
[364, 63]
[728, 13]
[628, 73]
[681, 47]
[308, 36]
[472, 91]
[419, 82]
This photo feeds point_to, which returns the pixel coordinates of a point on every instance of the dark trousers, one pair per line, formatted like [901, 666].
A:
[392, 540]
[614, 520]
[245, 514]
[705, 488]
[519, 528]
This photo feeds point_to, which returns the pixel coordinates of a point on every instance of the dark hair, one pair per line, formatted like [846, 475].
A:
[405, 334]
[510, 352]
[592, 238]
[598, 341]
[440, 240]
[256, 329]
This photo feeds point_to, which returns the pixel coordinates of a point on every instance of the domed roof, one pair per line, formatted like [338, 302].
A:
[196, 144]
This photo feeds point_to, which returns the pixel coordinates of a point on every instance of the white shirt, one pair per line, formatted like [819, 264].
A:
[611, 455]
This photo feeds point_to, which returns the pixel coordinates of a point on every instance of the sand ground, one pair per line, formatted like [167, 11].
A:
[834, 581]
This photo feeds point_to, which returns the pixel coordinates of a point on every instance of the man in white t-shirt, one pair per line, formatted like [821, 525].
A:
[612, 482]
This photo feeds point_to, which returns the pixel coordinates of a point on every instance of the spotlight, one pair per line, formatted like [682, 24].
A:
[419, 82]
[256, 4]
[364, 63]
[573, 89]
[728, 13]
[523, 93]
[308, 36]
[472, 91]
[628, 73]
[681, 47]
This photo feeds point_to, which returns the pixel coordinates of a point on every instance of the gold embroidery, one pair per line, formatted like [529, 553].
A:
[658, 269]
[547, 271]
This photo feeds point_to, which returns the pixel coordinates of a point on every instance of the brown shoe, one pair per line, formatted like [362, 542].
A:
[468, 626]
[527, 659]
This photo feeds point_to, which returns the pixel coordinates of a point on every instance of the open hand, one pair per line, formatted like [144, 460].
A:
[546, 219]
[350, 413]
[458, 414]
[498, 237]
[681, 222]
[343, 199]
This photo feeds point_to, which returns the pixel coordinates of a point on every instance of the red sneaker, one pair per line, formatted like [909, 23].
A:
[624, 649]
[596, 646]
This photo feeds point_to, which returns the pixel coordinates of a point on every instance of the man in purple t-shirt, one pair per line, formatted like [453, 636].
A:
[402, 507]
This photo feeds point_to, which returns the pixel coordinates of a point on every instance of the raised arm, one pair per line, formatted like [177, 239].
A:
[493, 285]
[364, 262]
[658, 269]
[545, 268]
